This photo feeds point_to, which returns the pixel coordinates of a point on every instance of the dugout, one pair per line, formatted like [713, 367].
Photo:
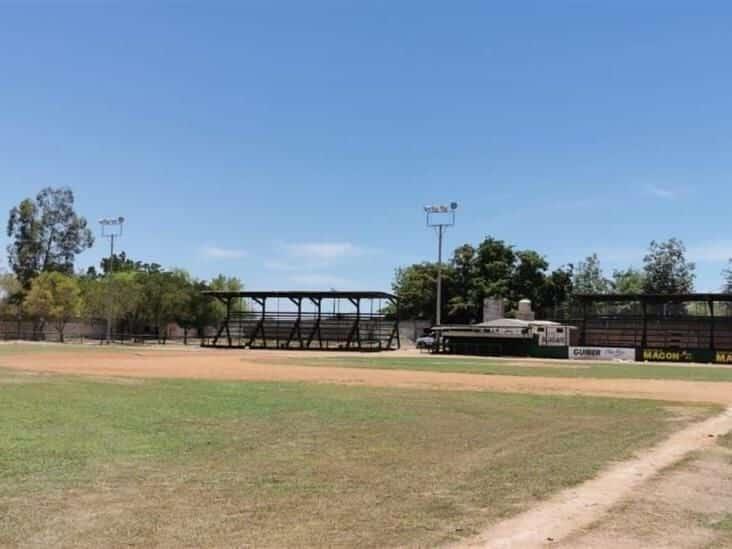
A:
[680, 328]
[347, 321]
[504, 337]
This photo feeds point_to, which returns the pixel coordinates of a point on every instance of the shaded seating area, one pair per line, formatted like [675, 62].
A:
[307, 320]
[687, 321]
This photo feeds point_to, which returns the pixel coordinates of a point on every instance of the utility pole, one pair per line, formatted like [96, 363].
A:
[112, 228]
[440, 218]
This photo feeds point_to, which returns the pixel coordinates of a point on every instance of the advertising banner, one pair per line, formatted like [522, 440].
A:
[667, 355]
[704, 356]
[607, 354]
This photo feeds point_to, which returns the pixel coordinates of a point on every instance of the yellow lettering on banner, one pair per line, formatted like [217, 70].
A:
[661, 355]
[724, 357]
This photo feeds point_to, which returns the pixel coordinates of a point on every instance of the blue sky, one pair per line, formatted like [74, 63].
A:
[294, 144]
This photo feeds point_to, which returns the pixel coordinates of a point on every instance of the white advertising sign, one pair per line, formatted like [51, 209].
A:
[601, 353]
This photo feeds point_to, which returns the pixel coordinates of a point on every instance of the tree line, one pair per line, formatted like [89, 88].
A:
[495, 268]
[46, 235]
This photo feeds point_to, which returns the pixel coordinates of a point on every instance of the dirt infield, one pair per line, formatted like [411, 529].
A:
[283, 366]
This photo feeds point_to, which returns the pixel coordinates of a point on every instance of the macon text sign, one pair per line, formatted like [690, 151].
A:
[601, 353]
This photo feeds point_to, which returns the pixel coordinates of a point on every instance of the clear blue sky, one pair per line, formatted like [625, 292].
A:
[293, 144]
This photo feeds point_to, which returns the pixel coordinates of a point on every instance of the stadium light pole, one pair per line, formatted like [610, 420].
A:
[112, 228]
[440, 218]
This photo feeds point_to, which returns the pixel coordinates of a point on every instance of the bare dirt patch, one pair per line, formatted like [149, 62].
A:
[559, 518]
[283, 366]
[686, 506]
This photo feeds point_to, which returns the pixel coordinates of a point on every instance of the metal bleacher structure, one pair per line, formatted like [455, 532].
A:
[349, 321]
[688, 321]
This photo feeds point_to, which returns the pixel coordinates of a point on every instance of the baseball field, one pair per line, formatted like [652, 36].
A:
[171, 447]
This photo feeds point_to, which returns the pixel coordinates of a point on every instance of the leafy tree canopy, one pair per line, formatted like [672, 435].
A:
[667, 270]
[492, 269]
[628, 281]
[727, 275]
[589, 277]
[56, 298]
[46, 235]
[11, 295]
[416, 287]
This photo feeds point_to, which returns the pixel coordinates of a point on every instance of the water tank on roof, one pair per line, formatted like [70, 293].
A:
[524, 310]
[493, 309]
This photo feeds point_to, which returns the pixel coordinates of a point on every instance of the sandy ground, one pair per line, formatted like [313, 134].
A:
[566, 513]
[283, 366]
[564, 520]
[680, 508]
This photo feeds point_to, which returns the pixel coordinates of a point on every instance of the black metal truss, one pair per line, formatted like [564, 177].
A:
[318, 330]
[710, 327]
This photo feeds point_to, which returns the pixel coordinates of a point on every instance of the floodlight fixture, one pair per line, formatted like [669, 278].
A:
[440, 217]
[112, 220]
[112, 228]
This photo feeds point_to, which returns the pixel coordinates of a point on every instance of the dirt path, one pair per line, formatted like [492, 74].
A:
[685, 507]
[283, 367]
[577, 508]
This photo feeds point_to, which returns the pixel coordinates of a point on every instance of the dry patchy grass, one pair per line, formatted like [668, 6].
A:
[190, 463]
[554, 369]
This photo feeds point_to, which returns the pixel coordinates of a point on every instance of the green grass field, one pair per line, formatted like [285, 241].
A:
[87, 462]
[26, 348]
[558, 368]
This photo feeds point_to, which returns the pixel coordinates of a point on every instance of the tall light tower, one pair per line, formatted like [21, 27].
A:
[112, 228]
[440, 218]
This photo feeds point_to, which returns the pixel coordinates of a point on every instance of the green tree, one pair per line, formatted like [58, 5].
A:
[528, 278]
[667, 270]
[54, 297]
[727, 276]
[628, 281]
[416, 287]
[198, 311]
[223, 283]
[118, 263]
[117, 296]
[11, 295]
[495, 264]
[460, 288]
[589, 278]
[163, 296]
[493, 269]
[556, 292]
[24, 251]
[46, 235]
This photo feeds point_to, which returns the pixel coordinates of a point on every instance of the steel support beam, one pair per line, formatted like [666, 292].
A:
[225, 324]
[395, 329]
[296, 328]
[318, 302]
[712, 327]
[356, 329]
[644, 333]
[361, 330]
[259, 328]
